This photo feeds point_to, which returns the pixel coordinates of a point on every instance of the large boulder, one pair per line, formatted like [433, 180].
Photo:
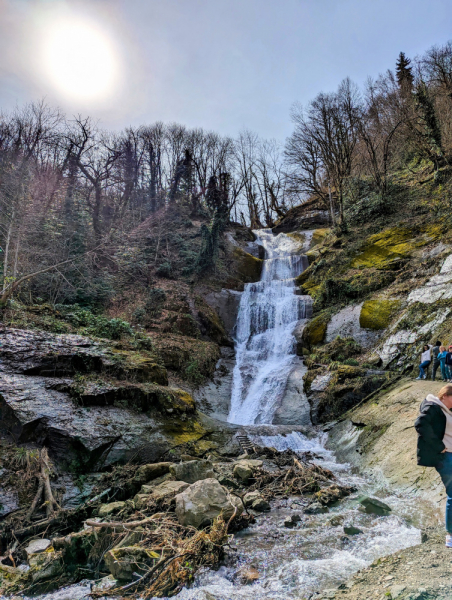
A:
[199, 504]
[192, 470]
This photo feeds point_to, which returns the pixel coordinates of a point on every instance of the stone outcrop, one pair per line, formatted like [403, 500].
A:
[379, 437]
[192, 470]
[203, 501]
[294, 408]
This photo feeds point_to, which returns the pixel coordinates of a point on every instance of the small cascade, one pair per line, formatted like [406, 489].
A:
[268, 313]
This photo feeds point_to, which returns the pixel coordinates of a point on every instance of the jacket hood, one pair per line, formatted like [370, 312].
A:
[435, 400]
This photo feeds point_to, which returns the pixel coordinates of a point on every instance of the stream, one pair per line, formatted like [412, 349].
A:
[315, 554]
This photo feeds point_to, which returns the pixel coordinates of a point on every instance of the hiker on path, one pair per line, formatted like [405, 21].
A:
[449, 364]
[434, 445]
[426, 359]
[436, 363]
[442, 361]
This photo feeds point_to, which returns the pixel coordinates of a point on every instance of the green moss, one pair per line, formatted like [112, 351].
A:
[137, 366]
[377, 314]
[386, 249]
[315, 330]
[248, 267]
[318, 236]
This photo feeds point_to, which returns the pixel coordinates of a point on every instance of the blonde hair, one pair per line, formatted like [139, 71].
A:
[442, 348]
[446, 390]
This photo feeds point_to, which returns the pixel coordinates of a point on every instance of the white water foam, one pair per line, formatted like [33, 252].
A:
[268, 313]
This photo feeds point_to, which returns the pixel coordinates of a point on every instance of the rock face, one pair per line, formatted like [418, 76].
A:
[379, 437]
[192, 470]
[294, 408]
[40, 353]
[203, 501]
[84, 426]
[346, 323]
[438, 287]
[214, 397]
[226, 304]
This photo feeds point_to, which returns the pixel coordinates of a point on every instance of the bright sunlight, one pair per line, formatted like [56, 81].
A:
[80, 60]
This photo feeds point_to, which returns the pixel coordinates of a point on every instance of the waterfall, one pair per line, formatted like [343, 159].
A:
[268, 313]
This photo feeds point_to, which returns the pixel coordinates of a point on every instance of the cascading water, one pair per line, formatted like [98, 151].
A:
[265, 345]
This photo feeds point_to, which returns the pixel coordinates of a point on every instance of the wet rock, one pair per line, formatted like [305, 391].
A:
[316, 509]
[106, 583]
[226, 304]
[192, 471]
[203, 501]
[45, 565]
[294, 408]
[333, 493]
[112, 507]
[149, 472]
[34, 412]
[372, 506]
[9, 500]
[351, 530]
[250, 497]
[260, 505]
[248, 575]
[227, 482]
[291, 521]
[336, 520]
[124, 562]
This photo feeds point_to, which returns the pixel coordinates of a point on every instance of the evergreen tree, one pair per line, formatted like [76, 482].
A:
[404, 73]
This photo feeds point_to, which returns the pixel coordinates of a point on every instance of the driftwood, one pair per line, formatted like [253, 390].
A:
[124, 525]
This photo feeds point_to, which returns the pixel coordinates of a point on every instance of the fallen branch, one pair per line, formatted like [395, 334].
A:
[123, 525]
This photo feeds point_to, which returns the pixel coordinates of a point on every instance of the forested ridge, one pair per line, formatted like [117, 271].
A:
[77, 201]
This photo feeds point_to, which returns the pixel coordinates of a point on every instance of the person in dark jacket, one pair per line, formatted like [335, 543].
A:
[434, 445]
[449, 363]
[436, 363]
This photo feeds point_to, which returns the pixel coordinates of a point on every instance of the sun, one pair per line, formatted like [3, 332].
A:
[80, 60]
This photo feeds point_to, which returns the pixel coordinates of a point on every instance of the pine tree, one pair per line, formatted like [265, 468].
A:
[404, 73]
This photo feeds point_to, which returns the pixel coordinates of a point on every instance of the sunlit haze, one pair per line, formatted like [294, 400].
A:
[223, 65]
[79, 60]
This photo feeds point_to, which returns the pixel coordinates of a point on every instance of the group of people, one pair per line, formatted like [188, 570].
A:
[441, 359]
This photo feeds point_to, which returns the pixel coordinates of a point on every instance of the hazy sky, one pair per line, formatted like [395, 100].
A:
[218, 64]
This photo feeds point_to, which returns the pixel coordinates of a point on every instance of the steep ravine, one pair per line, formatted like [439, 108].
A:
[371, 449]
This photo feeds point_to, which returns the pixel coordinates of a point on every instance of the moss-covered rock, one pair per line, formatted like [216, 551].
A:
[193, 359]
[386, 249]
[318, 236]
[248, 267]
[212, 322]
[315, 330]
[378, 313]
[136, 366]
